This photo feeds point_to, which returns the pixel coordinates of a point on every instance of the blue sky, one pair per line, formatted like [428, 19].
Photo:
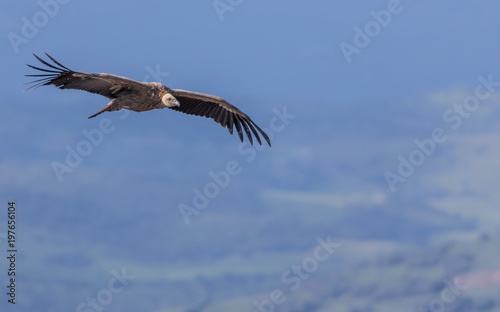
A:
[349, 121]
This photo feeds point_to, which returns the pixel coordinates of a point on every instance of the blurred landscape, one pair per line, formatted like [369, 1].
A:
[312, 223]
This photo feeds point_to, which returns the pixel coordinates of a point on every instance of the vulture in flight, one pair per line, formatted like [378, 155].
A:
[143, 96]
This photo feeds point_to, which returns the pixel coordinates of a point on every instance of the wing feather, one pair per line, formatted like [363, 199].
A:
[255, 132]
[220, 111]
[245, 127]
[238, 128]
[64, 78]
[225, 118]
[230, 122]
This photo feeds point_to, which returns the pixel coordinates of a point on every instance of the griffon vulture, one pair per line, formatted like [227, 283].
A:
[143, 96]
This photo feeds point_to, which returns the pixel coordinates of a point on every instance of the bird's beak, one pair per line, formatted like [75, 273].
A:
[176, 103]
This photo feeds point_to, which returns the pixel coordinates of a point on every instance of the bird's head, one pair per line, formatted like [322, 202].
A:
[169, 100]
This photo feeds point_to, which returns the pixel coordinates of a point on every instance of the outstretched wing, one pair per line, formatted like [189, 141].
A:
[64, 78]
[218, 109]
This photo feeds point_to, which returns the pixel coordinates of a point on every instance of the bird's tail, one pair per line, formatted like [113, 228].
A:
[111, 106]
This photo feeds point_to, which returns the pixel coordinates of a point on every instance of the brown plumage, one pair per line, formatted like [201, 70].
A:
[143, 96]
